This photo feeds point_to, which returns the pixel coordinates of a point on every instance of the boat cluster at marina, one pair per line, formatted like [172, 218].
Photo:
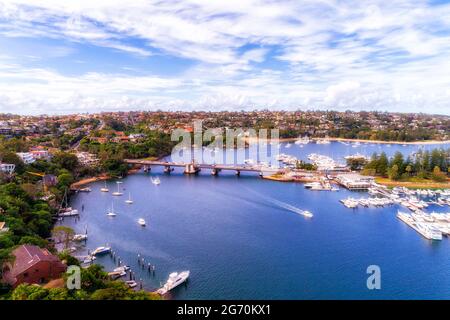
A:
[431, 226]
[324, 163]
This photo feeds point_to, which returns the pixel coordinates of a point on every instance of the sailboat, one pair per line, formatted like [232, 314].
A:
[64, 209]
[117, 193]
[156, 181]
[104, 189]
[111, 213]
[129, 201]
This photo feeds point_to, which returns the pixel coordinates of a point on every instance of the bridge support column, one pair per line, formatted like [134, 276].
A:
[191, 168]
[215, 172]
[147, 168]
[260, 174]
[168, 169]
[238, 173]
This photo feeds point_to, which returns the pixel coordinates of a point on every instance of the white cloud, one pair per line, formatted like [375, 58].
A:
[343, 54]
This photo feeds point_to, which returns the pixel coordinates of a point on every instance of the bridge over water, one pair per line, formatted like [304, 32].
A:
[192, 167]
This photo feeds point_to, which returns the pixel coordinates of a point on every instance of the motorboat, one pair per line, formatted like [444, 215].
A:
[101, 250]
[141, 222]
[80, 237]
[175, 279]
[156, 181]
[131, 283]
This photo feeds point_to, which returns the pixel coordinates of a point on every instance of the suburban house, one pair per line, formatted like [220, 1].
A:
[26, 157]
[31, 264]
[7, 167]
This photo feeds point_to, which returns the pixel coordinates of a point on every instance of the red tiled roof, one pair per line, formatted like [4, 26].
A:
[27, 255]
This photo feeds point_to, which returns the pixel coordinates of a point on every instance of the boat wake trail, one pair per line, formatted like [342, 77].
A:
[281, 204]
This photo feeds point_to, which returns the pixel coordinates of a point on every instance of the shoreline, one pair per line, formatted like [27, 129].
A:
[422, 142]
[102, 177]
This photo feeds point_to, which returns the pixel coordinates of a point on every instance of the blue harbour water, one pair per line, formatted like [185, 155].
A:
[242, 237]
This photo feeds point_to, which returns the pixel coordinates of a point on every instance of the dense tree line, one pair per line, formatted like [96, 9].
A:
[423, 164]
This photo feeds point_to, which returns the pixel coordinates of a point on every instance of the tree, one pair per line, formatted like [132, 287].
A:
[438, 175]
[408, 170]
[394, 172]
[63, 234]
[382, 164]
[66, 161]
[29, 292]
[64, 180]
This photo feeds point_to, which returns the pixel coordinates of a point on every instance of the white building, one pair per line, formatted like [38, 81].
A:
[26, 157]
[7, 167]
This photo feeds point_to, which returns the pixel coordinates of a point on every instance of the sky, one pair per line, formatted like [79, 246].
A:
[77, 56]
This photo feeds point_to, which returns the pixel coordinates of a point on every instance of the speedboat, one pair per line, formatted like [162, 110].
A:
[101, 250]
[80, 237]
[141, 222]
[307, 214]
[175, 279]
[156, 181]
[131, 283]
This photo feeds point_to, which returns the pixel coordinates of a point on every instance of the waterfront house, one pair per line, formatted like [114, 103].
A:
[33, 265]
[7, 167]
[26, 157]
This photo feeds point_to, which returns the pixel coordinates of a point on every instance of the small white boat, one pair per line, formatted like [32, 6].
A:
[80, 237]
[307, 214]
[129, 201]
[156, 181]
[131, 283]
[175, 279]
[68, 212]
[141, 222]
[122, 269]
[104, 189]
[100, 250]
[87, 189]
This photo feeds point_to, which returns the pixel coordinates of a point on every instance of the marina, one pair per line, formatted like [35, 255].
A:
[252, 227]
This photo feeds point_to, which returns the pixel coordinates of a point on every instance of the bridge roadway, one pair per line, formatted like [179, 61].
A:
[195, 166]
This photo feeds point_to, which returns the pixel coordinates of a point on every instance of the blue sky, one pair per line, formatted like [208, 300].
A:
[88, 56]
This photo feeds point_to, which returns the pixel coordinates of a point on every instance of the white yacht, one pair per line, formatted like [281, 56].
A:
[104, 189]
[80, 237]
[175, 279]
[129, 201]
[156, 181]
[141, 222]
[101, 250]
[68, 212]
